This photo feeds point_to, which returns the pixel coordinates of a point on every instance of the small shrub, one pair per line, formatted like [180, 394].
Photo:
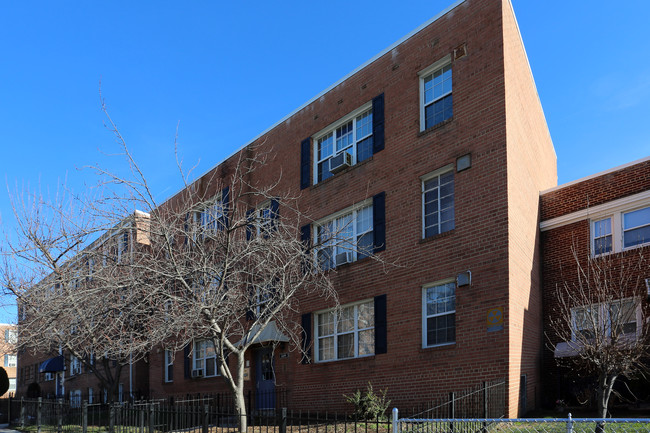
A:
[368, 405]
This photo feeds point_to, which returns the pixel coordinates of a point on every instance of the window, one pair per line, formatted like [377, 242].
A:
[209, 216]
[75, 365]
[438, 202]
[352, 134]
[90, 396]
[345, 238]
[612, 319]
[262, 219]
[169, 366]
[122, 245]
[10, 360]
[48, 376]
[620, 231]
[75, 398]
[602, 236]
[12, 384]
[439, 305]
[11, 336]
[436, 94]
[636, 227]
[205, 358]
[348, 332]
[120, 393]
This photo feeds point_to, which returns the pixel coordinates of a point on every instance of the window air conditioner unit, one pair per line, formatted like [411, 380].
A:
[197, 373]
[340, 162]
[343, 258]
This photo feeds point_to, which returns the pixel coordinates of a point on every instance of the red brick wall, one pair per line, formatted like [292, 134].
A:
[591, 192]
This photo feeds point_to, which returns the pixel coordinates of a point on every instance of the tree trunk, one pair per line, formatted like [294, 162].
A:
[240, 402]
[603, 392]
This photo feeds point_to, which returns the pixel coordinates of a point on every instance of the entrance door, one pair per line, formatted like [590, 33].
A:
[265, 379]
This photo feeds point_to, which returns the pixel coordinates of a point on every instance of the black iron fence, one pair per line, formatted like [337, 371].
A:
[215, 413]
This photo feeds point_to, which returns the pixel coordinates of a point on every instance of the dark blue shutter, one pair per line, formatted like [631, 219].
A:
[306, 338]
[275, 208]
[225, 203]
[305, 159]
[378, 123]
[379, 221]
[305, 235]
[250, 227]
[187, 370]
[380, 325]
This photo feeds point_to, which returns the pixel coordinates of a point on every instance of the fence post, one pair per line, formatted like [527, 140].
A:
[569, 424]
[150, 417]
[59, 417]
[485, 405]
[39, 406]
[452, 410]
[111, 417]
[9, 411]
[141, 410]
[395, 418]
[84, 416]
[22, 412]
[283, 421]
[205, 418]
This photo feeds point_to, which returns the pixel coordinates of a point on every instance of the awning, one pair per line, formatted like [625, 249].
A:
[269, 333]
[52, 365]
[567, 349]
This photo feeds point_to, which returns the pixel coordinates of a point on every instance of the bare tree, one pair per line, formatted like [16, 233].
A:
[76, 297]
[599, 324]
[220, 267]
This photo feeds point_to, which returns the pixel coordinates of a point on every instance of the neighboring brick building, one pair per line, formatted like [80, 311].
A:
[604, 215]
[450, 189]
[9, 358]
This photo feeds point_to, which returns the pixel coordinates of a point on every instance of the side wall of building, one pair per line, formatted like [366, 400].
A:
[531, 166]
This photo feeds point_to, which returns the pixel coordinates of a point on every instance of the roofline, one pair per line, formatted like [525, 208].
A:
[322, 93]
[592, 176]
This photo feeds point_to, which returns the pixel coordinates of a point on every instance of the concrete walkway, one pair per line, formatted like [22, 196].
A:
[4, 428]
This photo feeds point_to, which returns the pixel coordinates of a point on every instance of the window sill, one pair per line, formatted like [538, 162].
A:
[337, 361]
[438, 236]
[435, 127]
[437, 346]
[339, 174]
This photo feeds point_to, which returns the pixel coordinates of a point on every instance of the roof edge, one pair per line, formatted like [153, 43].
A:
[595, 175]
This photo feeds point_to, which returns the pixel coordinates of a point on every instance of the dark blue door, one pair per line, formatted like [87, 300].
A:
[264, 379]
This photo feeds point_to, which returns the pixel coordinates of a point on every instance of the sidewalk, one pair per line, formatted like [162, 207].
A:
[4, 429]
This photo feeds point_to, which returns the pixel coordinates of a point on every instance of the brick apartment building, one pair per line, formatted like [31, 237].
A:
[604, 215]
[448, 189]
[437, 150]
[9, 358]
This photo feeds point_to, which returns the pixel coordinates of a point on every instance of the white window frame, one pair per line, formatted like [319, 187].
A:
[205, 218]
[623, 229]
[123, 245]
[75, 398]
[75, 365]
[10, 361]
[48, 376]
[11, 336]
[427, 177]
[263, 218]
[200, 358]
[424, 74]
[168, 363]
[12, 384]
[426, 316]
[338, 244]
[617, 220]
[332, 129]
[356, 330]
[602, 311]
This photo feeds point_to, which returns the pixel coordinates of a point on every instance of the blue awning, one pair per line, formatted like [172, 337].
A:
[52, 365]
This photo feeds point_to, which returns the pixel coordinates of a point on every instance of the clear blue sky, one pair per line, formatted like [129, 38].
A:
[228, 70]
